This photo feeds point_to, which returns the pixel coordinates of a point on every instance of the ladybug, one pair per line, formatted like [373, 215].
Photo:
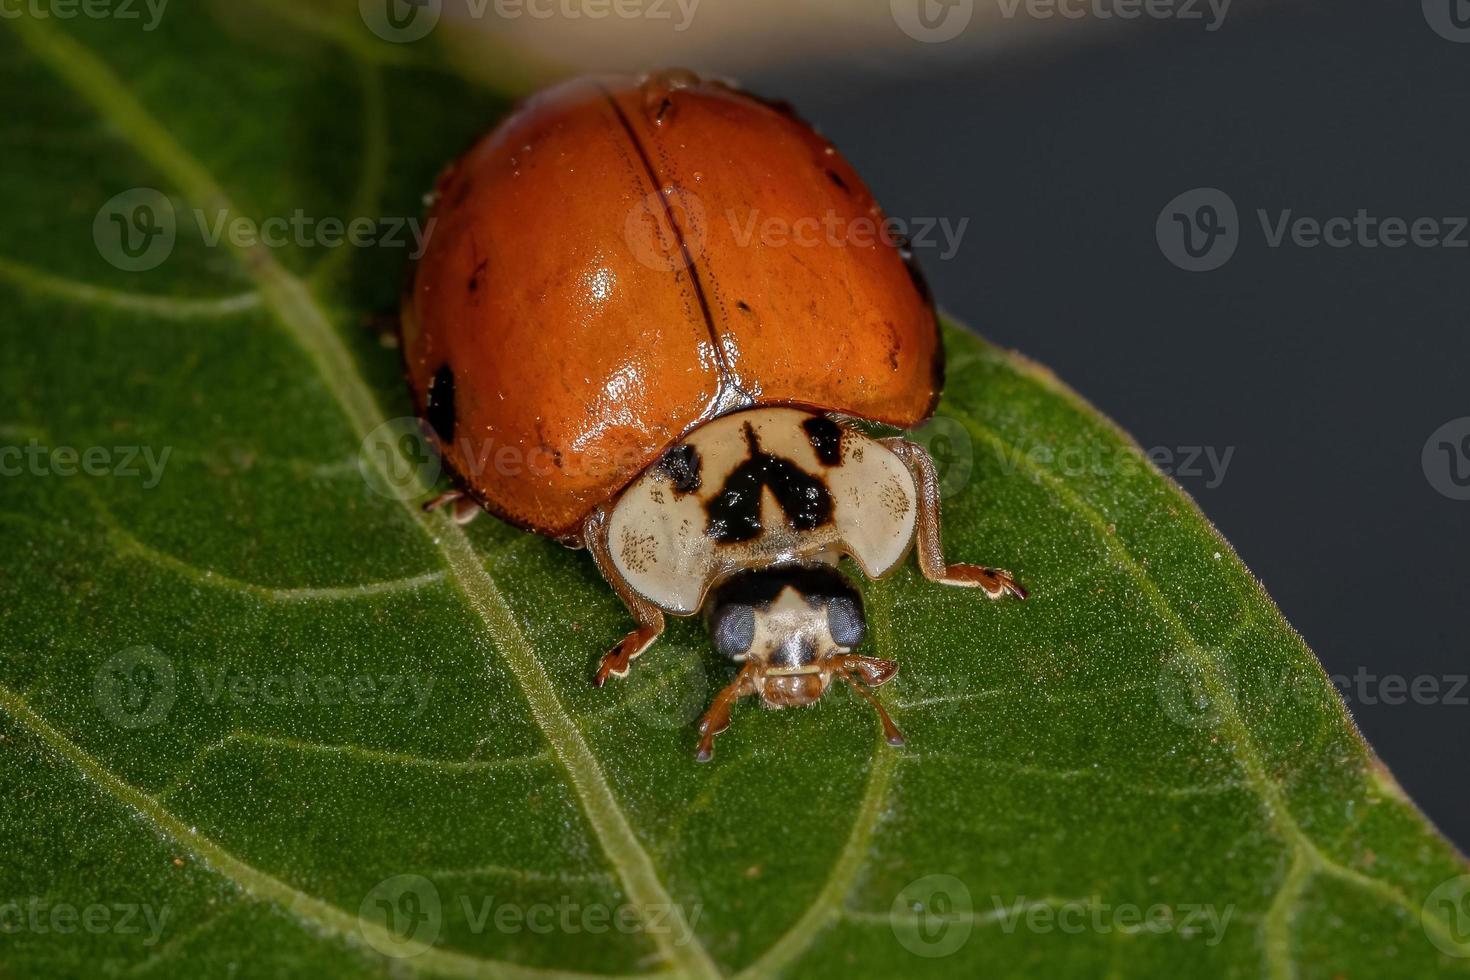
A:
[646, 324]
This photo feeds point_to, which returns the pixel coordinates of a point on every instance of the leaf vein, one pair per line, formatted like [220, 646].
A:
[305, 320]
[254, 883]
[1307, 859]
[34, 280]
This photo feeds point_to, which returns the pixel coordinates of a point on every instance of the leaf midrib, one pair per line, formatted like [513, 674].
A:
[306, 322]
[292, 302]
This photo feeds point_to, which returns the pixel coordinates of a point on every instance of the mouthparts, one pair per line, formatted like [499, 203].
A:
[793, 671]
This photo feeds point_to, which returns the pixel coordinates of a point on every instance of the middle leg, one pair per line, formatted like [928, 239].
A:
[617, 661]
[995, 582]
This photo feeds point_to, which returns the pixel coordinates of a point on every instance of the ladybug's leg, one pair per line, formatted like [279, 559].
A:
[890, 730]
[996, 582]
[465, 508]
[717, 718]
[616, 662]
[872, 671]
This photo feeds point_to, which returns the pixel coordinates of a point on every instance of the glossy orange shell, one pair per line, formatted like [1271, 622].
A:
[623, 259]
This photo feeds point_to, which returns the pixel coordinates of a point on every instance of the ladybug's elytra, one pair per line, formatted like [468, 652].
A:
[611, 352]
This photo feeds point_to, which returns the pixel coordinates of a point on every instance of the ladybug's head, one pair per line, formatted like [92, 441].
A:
[794, 627]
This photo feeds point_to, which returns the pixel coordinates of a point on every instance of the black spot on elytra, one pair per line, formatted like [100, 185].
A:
[742, 306]
[735, 512]
[440, 409]
[681, 465]
[478, 275]
[826, 438]
[836, 178]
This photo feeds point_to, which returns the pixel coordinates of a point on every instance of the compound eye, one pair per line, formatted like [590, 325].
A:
[733, 630]
[846, 623]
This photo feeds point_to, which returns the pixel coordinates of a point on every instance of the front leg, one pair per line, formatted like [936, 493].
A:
[996, 582]
[650, 618]
[717, 718]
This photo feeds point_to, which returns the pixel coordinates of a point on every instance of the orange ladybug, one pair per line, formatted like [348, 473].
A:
[646, 315]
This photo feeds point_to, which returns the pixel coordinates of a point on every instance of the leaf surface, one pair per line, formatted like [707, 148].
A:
[296, 725]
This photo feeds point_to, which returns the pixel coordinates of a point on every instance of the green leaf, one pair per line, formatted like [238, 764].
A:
[258, 718]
